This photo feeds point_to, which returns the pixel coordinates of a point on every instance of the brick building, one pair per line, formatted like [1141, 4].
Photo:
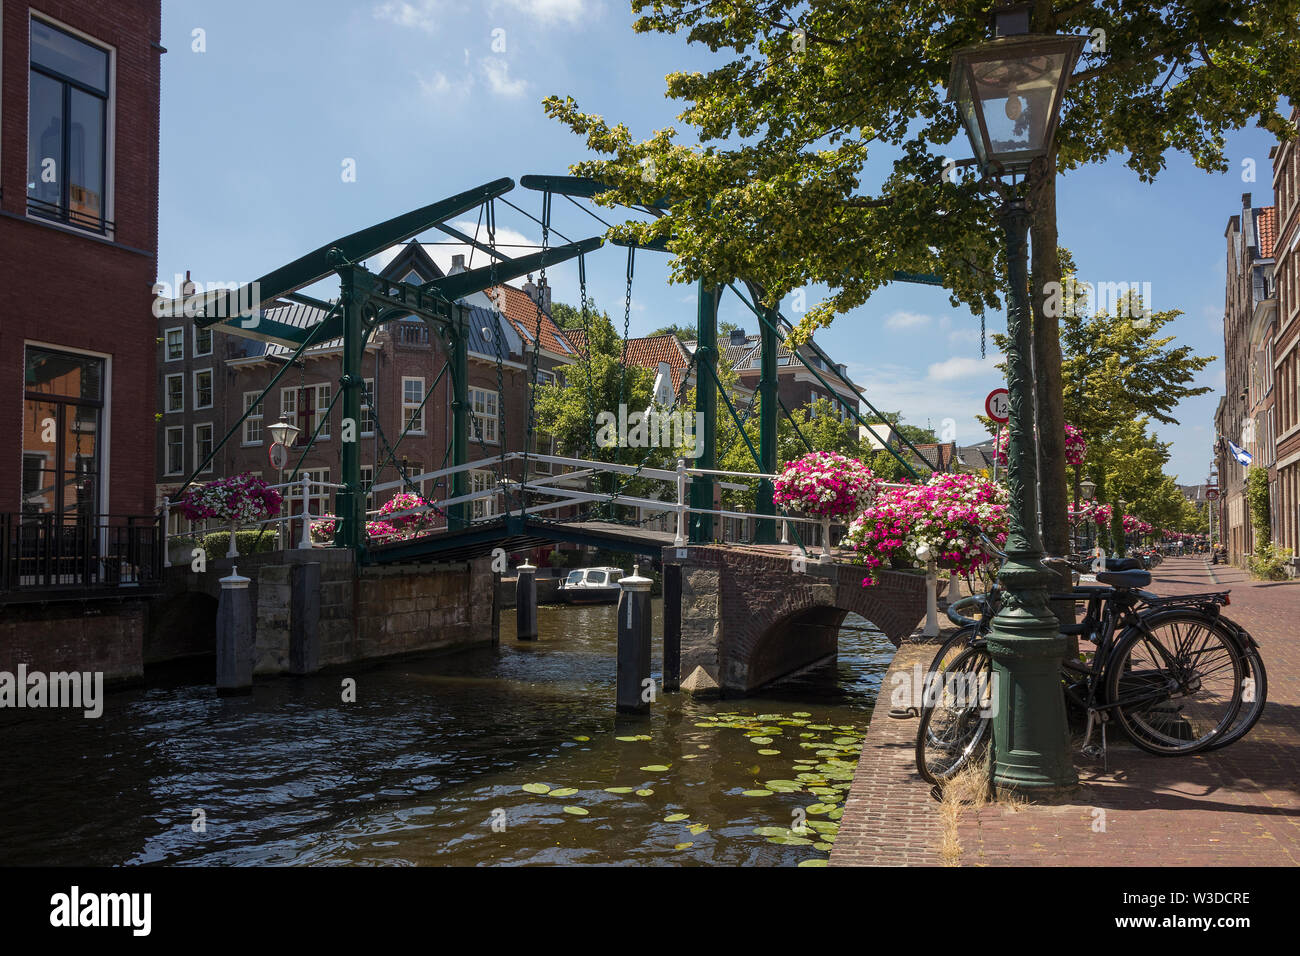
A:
[1286, 353]
[205, 386]
[1246, 416]
[79, 108]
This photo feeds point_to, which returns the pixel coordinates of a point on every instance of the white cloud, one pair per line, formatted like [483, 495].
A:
[900, 388]
[960, 366]
[439, 87]
[497, 72]
[960, 338]
[420, 14]
[907, 320]
[552, 11]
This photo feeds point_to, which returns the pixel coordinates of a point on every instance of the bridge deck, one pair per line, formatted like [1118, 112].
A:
[516, 533]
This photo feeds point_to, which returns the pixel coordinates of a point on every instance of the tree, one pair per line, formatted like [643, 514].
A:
[689, 333]
[570, 316]
[773, 189]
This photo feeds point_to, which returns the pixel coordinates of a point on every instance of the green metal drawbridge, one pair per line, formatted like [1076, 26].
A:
[367, 301]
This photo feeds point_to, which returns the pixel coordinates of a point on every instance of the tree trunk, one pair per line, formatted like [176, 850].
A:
[1053, 495]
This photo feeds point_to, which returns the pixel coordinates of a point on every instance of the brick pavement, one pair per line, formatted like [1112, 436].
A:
[1237, 806]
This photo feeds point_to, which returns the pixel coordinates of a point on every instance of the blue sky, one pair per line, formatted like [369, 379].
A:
[424, 100]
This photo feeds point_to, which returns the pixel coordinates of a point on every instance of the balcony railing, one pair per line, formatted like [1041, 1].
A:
[50, 557]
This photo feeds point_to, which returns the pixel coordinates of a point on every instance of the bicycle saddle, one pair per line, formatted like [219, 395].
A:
[1123, 564]
[1134, 578]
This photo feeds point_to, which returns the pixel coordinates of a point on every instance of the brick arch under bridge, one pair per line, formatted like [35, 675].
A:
[749, 617]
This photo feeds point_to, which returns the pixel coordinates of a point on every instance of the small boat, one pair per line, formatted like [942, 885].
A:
[591, 586]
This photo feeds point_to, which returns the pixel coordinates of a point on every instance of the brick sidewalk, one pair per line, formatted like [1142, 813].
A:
[1238, 806]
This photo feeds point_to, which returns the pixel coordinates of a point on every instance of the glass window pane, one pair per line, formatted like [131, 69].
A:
[66, 54]
[64, 374]
[40, 469]
[45, 140]
[86, 158]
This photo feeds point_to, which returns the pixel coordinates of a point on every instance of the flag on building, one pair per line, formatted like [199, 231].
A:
[1239, 453]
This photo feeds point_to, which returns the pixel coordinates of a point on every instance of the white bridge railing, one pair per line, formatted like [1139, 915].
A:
[549, 485]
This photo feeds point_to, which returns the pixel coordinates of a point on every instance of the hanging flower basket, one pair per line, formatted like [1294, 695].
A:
[825, 485]
[323, 528]
[410, 524]
[241, 500]
[940, 520]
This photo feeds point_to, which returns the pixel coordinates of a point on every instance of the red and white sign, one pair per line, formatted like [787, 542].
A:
[278, 455]
[1211, 493]
[998, 405]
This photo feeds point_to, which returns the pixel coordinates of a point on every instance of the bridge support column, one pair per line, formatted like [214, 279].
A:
[526, 603]
[633, 645]
[304, 619]
[672, 627]
[234, 636]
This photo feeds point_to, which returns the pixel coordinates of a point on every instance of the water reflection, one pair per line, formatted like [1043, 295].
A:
[428, 765]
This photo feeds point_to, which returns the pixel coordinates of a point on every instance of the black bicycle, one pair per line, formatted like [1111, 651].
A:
[1176, 675]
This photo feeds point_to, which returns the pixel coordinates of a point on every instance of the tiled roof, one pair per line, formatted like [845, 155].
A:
[1266, 222]
[646, 352]
[300, 317]
[521, 311]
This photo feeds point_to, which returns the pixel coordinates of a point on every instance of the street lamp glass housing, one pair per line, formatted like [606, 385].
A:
[284, 432]
[1087, 488]
[1008, 92]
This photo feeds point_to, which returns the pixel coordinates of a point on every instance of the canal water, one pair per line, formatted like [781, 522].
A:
[503, 756]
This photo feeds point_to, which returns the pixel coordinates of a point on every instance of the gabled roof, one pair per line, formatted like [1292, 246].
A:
[646, 352]
[519, 309]
[1266, 223]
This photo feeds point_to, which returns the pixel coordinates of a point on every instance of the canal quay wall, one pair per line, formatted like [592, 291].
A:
[100, 636]
[316, 608]
[752, 615]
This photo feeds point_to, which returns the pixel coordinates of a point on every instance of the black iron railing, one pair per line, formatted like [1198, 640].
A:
[47, 556]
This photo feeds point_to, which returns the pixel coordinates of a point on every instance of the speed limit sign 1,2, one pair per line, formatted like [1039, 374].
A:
[998, 405]
[279, 456]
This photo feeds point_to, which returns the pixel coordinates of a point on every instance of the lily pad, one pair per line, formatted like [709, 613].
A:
[676, 817]
[764, 741]
[790, 841]
[537, 788]
[836, 813]
[698, 828]
[801, 713]
[581, 739]
[768, 753]
[563, 792]
[823, 826]
[628, 740]
[655, 768]
[618, 789]
[814, 862]
[821, 846]
[820, 808]
[576, 811]
[696, 756]
[683, 846]
[771, 831]
[645, 792]
[757, 793]
[787, 786]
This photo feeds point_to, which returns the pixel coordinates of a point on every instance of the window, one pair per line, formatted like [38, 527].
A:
[545, 378]
[320, 395]
[368, 407]
[202, 342]
[175, 393]
[545, 446]
[306, 408]
[203, 388]
[484, 407]
[67, 128]
[203, 444]
[482, 481]
[175, 344]
[412, 397]
[175, 451]
[253, 423]
[411, 469]
[319, 501]
[368, 479]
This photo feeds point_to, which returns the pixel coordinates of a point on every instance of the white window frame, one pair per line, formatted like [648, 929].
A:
[110, 130]
[257, 416]
[367, 408]
[167, 393]
[212, 439]
[167, 355]
[212, 387]
[482, 481]
[367, 481]
[409, 407]
[323, 392]
[168, 470]
[485, 418]
[197, 333]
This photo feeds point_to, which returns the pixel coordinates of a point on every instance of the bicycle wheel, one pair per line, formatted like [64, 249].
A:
[951, 649]
[955, 722]
[1176, 684]
[1254, 696]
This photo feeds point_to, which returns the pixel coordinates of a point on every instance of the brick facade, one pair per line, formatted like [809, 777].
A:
[70, 288]
[1286, 347]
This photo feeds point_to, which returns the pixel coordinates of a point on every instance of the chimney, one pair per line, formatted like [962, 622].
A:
[457, 265]
[530, 287]
[738, 337]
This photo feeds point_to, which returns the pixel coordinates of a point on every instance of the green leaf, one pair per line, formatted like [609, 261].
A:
[576, 811]
[655, 768]
[536, 788]
[676, 817]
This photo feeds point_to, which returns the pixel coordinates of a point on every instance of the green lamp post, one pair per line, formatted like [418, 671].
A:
[1008, 92]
